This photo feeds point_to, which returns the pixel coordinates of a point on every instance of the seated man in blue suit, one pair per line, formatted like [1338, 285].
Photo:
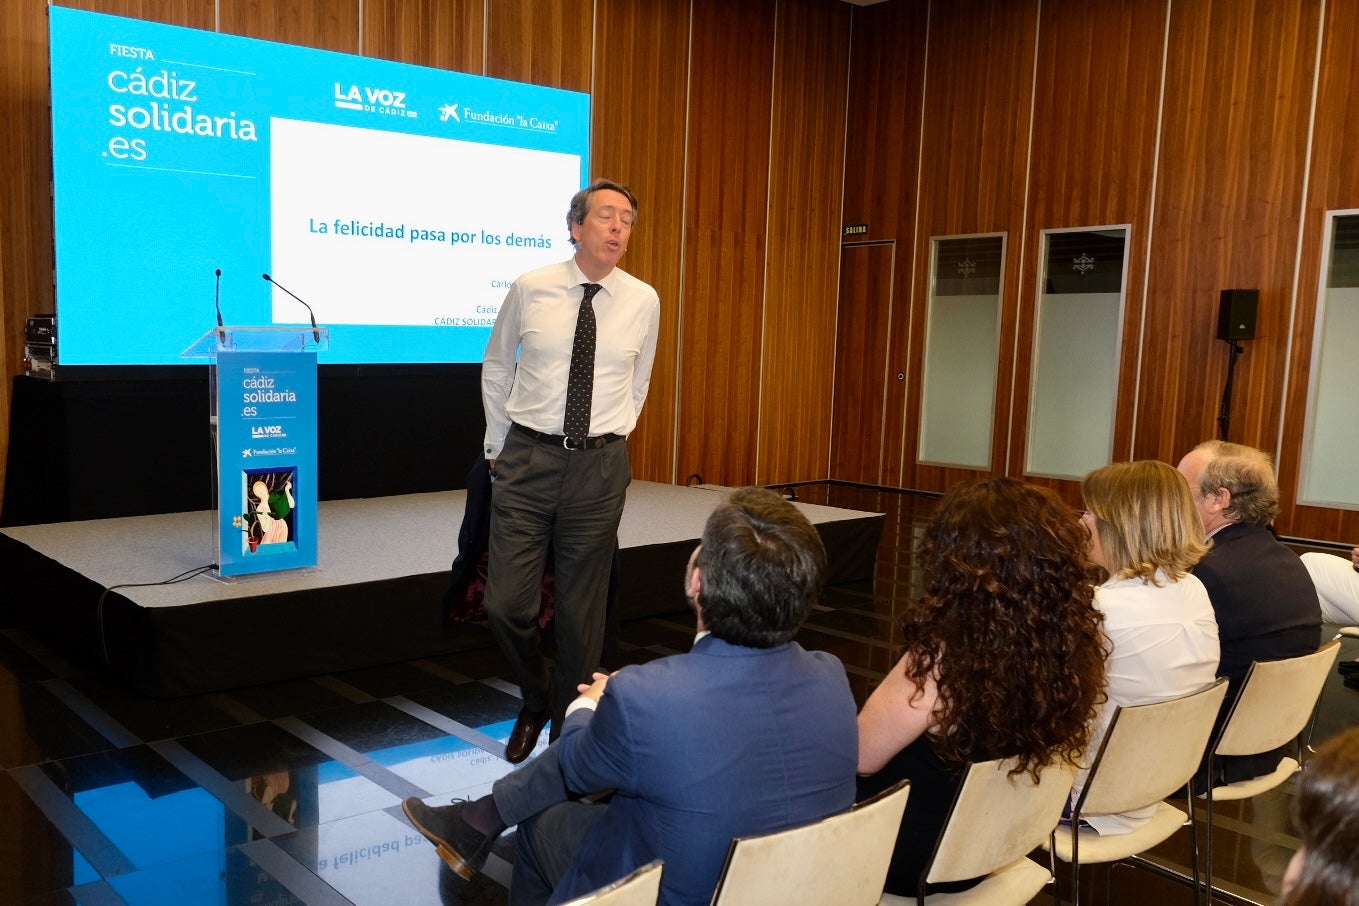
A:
[746, 734]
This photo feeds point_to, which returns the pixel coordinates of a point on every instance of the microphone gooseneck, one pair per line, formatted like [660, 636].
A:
[217, 304]
[315, 331]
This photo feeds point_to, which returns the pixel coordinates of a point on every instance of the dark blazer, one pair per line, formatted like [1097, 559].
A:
[699, 748]
[1266, 608]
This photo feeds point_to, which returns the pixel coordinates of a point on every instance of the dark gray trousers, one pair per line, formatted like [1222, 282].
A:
[572, 499]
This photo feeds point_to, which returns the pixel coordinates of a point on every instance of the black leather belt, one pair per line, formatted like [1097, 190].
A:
[570, 443]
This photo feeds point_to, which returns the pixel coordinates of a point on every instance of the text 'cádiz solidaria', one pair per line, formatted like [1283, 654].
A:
[269, 396]
[161, 118]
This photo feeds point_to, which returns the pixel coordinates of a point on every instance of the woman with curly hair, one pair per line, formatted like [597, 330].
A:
[1325, 869]
[1145, 534]
[1003, 657]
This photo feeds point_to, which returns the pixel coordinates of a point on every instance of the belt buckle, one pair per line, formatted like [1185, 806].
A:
[566, 443]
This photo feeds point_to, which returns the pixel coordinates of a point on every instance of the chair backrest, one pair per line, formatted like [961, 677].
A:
[1150, 751]
[1277, 699]
[842, 859]
[996, 819]
[641, 888]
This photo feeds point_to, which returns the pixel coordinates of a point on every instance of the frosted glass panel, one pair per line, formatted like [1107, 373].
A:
[958, 397]
[1329, 476]
[1075, 378]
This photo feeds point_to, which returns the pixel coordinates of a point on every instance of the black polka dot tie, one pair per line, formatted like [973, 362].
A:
[580, 384]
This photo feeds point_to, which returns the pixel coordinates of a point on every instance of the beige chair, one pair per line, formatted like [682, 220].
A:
[1277, 701]
[1148, 752]
[996, 820]
[1344, 632]
[842, 859]
[641, 888]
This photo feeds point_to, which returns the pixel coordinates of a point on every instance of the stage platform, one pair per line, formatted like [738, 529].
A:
[374, 598]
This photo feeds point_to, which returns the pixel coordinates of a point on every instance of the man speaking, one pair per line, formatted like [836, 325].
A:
[562, 384]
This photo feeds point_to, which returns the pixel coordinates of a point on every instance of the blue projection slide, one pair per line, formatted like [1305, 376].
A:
[398, 201]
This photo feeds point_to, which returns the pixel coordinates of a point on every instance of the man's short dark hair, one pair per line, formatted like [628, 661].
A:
[762, 566]
[580, 202]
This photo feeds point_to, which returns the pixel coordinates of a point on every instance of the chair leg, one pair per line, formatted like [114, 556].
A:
[1208, 847]
[1075, 860]
[1193, 841]
[1052, 868]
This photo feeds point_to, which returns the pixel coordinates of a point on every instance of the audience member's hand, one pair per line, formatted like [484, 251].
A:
[1354, 556]
[594, 691]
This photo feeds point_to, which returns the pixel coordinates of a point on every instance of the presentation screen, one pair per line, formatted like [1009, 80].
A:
[397, 201]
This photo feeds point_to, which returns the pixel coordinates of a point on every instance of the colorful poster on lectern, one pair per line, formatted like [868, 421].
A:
[266, 459]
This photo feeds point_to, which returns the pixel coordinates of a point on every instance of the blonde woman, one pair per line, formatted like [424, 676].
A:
[1146, 535]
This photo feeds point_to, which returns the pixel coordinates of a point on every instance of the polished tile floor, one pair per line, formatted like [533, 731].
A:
[291, 793]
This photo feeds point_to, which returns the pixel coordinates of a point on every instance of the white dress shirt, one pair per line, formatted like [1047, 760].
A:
[1164, 640]
[537, 321]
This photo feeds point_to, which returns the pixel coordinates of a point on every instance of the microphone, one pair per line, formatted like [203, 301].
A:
[315, 331]
[217, 302]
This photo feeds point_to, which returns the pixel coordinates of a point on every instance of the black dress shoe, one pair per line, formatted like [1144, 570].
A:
[525, 735]
[459, 844]
[1352, 681]
[1348, 668]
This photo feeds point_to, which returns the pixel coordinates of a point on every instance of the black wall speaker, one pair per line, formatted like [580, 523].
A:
[1236, 314]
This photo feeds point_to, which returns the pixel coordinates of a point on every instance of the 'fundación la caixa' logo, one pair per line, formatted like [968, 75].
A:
[271, 432]
[369, 99]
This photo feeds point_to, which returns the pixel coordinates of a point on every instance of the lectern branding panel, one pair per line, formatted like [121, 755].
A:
[266, 409]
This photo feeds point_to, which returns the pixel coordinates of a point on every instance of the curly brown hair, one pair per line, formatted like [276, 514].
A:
[1007, 627]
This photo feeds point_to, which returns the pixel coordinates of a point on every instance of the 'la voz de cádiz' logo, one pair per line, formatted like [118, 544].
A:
[372, 100]
[268, 431]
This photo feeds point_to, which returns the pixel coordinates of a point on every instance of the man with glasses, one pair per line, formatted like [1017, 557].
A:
[563, 380]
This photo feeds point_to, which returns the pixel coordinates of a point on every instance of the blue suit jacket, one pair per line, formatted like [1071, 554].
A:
[721, 742]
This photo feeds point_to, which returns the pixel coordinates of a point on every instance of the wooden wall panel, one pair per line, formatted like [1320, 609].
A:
[1085, 169]
[1231, 167]
[326, 24]
[545, 43]
[444, 34]
[801, 284]
[882, 154]
[1334, 185]
[861, 374]
[725, 230]
[188, 13]
[979, 83]
[722, 169]
[25, 199]
[641, 87]
[882, 143]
